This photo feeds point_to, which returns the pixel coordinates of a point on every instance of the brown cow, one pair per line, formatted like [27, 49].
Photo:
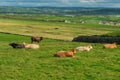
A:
[36, 39]
[113, 45]
[69, 53]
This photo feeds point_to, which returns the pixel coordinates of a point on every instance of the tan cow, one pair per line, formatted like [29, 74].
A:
[112, 45]
[31, 46]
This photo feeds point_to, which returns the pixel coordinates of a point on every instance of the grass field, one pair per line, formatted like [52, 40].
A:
[28, 64]
[65, 31]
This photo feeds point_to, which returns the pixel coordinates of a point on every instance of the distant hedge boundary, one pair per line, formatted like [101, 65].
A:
[97, 39]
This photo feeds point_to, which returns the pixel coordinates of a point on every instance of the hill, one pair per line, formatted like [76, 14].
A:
[52, 27]
[60, 10]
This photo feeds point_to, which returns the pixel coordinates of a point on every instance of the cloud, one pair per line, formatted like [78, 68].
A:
[62, 3]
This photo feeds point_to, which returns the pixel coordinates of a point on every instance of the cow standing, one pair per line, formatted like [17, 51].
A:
[36, 39]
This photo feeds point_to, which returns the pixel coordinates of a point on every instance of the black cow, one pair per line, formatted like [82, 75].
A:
[15, 45]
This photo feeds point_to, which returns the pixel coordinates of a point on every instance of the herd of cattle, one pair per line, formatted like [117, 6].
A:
[69, 53]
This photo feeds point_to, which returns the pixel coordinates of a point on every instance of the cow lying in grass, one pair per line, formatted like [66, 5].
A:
[31, 46]
[69, 53]
[15, 45]
[84, 48]
[113, 45]
[36, 39]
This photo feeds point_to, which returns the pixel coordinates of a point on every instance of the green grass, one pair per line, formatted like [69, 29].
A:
[47, 29]
[28, 64]
[114, 33]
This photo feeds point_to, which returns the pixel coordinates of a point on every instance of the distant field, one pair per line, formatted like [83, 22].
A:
[33, 25]
[28, 64]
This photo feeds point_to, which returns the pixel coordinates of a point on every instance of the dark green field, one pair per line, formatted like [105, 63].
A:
[29, 64]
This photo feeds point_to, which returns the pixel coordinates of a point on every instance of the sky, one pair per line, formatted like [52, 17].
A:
[62, 3]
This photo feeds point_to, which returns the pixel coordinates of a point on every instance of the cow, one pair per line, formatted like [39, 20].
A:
[15, 45]
[36, 39]
[31, 46]
[84, 48]
[69, 53]
[112, 45]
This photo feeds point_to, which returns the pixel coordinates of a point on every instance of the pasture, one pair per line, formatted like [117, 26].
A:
[33, 25]
[29, 64]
